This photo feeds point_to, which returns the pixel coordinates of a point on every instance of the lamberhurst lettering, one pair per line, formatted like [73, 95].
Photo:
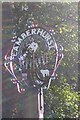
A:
[33, 31]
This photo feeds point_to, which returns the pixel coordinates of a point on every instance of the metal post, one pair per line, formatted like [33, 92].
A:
[41, 103]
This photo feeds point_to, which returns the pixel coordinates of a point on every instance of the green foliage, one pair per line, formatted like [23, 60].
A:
[62, 101]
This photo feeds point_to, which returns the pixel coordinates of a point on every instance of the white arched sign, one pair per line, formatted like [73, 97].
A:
[33, 59]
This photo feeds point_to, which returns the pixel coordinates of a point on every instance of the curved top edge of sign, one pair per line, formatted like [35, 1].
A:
[36, 33]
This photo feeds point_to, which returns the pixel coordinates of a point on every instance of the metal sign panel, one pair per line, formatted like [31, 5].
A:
[33, 59]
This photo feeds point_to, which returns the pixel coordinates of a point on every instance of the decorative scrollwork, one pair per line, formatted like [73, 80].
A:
[33, 59]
